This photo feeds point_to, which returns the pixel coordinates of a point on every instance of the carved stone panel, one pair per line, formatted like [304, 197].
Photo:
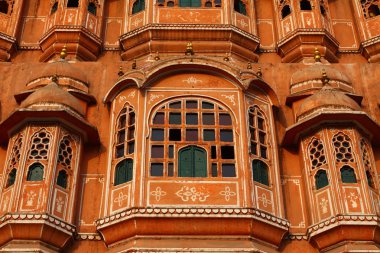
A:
[120, 198]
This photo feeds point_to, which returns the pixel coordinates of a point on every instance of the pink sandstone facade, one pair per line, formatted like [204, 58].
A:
[189, 126]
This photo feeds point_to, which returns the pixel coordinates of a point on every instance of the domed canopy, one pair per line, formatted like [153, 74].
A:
[308, 78]
[326, 99]
[60, 68]
[52, 93]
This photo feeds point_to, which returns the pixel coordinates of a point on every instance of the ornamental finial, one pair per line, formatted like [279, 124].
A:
[63, 53]
[317, 55]
[189, 49]
[325, 78]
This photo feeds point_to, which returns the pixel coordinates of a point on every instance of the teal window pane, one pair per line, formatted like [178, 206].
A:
[192, 162]
[348, 174]
[321, 179]
[123, 172]
[36, 172]
[260, 172]
[62, 179]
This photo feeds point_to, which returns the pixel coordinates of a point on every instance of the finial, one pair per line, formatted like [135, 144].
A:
[121, 72]
[63, 53]
[249, 65]
[259, 73]
[325, 78]
[134, 64]
[54, 78]
[157, 57]
[317, 55]
[189, 49]
[226, 58]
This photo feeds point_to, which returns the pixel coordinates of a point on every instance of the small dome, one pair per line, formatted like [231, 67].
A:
[309, 78]
[52, 93]
[60, 68]
[327, 99]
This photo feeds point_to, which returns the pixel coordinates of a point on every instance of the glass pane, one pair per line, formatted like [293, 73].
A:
[209, 135]
[213, 152]
[253, 148]
[174, 134]
[191, 134]
[171, 151]
[192, 118]
[175, 118]
[131, 118]
[207, 105]
[170, 170]
[157, 169]
[158, 134]
[225, 119]
[159, 118]
[119, 151]
[226, 135]
[121, 136]
[252, 132]
[191, 104]
[175, 105]
[262, 137]
[157, 151]
[260, 123]
[131, 133]
[131, 147]
[250, 119]
[227, 152]
[214, 170]
[228, 170]
[122, 121]
[263, 151]
[208, 119]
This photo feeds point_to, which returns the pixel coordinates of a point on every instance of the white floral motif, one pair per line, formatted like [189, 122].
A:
[30, 198]
[231, 98]
[352, 198]
[136, 22]
[308, 21]
[70, 18]
[132, 94]
[242, 23]
[192, 80]
[91, 24]
[154, 97]
[158, 193]
[323, 204]
[122, 99]
[120, 198]
[59, 203]
[265, 200]
[187, 193]
[227, 193]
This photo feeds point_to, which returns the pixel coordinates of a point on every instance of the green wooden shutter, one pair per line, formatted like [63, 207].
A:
[348, 174]
[321, 179]
[200, 162]
[185, 162]
[260, 172]
[129, 168]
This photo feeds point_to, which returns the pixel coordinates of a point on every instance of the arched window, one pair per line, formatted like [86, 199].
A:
[208, 4]
[138, 5]
[123, 172]
[239, 6]
[370, 8]
[258, 133]
[11, 178]
[305, 5]
[91, 8]
[125, 132]
[54, 8]
[161, 2]
[189, 130]
[218, 3]
[190, 3]
[285, 11]
[65, 153]
[348, 174]
[192, 162]
[62, 179]
[343, 148]
[373, 11]
[317, 154]
[4, 6]
[72, 3]
[367, 162]
[260, 172]
[321, 179]
[35, 172]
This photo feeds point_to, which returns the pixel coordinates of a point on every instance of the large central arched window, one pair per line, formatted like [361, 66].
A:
[192, 137]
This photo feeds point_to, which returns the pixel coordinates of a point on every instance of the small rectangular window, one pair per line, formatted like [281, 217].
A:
[228, 152]
[157, 169]
[254, 148]
[208, 119]
[131, 118]
[225, 119]
[158, 134]
[120, 151]
[209, 135]
[131, 147]
[157, 151]
[121, 136]
[174, 134]
[214, 170]
[192, 134]
[171, 151]
[170, 170]
[228, 170]
[122, 121]
[263, 152]
[226, 135]
[213, 152]
[175, 118]
[207, 105]
[191, 118]
[262, 137]
[260, 123]
[191, 104]
[131, 133]
[159, 118]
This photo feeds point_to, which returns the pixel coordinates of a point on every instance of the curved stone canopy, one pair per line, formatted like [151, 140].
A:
[52, 93]
[327, 98]
[60, 68]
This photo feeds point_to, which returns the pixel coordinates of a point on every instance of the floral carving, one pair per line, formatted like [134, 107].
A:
[227, 193]
[187, 193]
[158, 193]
